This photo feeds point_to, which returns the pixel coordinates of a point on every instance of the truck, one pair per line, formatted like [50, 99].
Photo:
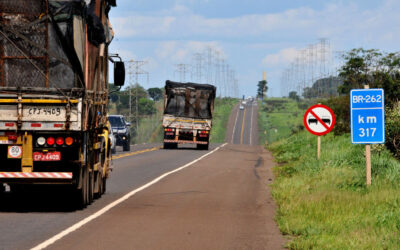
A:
[54, 95]
[188, 110]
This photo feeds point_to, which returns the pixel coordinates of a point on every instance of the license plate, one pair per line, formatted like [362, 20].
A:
[45, 111]
[50, 156]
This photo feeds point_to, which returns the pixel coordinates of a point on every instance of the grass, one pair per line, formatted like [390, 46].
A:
[150, 127]
[222, 110]
[279, 117]
[325, 204]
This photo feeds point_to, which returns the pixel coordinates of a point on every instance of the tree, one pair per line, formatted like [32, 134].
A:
[324, 87]
[262, 89]
[155, 93]
[146, 107]
[293, 95]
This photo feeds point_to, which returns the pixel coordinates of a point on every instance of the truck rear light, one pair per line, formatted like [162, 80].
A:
[169, 130]
[50, 141]
[41, 141]
[12, 137]
[204, 132]
[60, 141]
[36, 125]
[58, 125]
[9, 124]
[69, 141]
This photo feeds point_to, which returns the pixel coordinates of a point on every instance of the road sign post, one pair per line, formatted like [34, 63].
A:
[319, 120]
[367, 121]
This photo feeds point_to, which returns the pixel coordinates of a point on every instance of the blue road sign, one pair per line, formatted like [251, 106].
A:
[367, 116]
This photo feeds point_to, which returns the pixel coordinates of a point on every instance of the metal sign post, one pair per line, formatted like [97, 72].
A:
[367, 121]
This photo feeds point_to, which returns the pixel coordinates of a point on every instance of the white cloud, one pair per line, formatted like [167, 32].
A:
[282, 58]
[182, 51]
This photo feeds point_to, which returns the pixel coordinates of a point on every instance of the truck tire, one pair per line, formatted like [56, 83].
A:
[127, 146]
[81, 194]
[104, 185]
[91, 188]
[99, 183]
[203, 146]
[168, 145]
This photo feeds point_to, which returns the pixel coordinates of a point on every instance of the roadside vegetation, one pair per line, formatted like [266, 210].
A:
[325, 204]
[222, 110]
[280, 117]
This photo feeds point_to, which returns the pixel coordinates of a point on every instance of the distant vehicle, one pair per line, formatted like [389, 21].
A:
[188, 114]
[244, 102]
[121, 131]
[241, 107]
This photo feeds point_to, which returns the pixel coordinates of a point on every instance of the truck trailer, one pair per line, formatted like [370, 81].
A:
[54, 89]
[188, 109]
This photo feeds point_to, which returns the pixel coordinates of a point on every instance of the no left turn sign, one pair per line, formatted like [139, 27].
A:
[319, 119]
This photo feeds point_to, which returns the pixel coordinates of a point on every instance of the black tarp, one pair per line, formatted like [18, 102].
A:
[190, 100]
[34, 45]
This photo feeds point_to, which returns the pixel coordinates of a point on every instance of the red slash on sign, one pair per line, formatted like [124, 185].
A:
[319, 119]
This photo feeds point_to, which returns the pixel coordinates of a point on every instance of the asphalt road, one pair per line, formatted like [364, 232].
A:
[215, 199]
[245, 124]
[28, 220]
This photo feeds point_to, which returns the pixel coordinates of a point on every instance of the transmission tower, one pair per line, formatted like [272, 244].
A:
[183, 69]
[198, 59]
[135, 69]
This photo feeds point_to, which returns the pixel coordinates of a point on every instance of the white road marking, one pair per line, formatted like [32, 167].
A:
[115, 203]
[234, 127]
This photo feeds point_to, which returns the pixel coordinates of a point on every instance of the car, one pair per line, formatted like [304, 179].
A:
[244, 102]
[241, 107]
[121, 131]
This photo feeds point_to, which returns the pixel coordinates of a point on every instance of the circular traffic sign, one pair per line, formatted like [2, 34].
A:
[319, 119]
[14, 152]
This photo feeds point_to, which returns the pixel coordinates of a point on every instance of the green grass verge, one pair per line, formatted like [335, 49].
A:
[325, 204]
[222, 110]
[279, 117]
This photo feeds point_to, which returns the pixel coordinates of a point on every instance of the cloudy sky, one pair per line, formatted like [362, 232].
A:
[252, 36]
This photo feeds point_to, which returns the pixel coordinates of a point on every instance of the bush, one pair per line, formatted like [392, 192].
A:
[392, 133]
[341, 108]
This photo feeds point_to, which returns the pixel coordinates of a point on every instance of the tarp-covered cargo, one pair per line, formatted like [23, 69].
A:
[43, 43]
[190, 100]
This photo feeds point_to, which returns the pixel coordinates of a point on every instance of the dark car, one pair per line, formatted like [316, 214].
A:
[121, 131]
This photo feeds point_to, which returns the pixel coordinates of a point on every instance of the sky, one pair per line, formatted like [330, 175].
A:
[252, 36]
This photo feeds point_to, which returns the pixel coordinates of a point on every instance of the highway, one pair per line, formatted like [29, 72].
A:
[245, 124]
[160, 199]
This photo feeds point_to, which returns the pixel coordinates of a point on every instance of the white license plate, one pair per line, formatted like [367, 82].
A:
[57, 113]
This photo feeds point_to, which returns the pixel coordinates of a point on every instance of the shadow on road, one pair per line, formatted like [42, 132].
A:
[42, 201]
